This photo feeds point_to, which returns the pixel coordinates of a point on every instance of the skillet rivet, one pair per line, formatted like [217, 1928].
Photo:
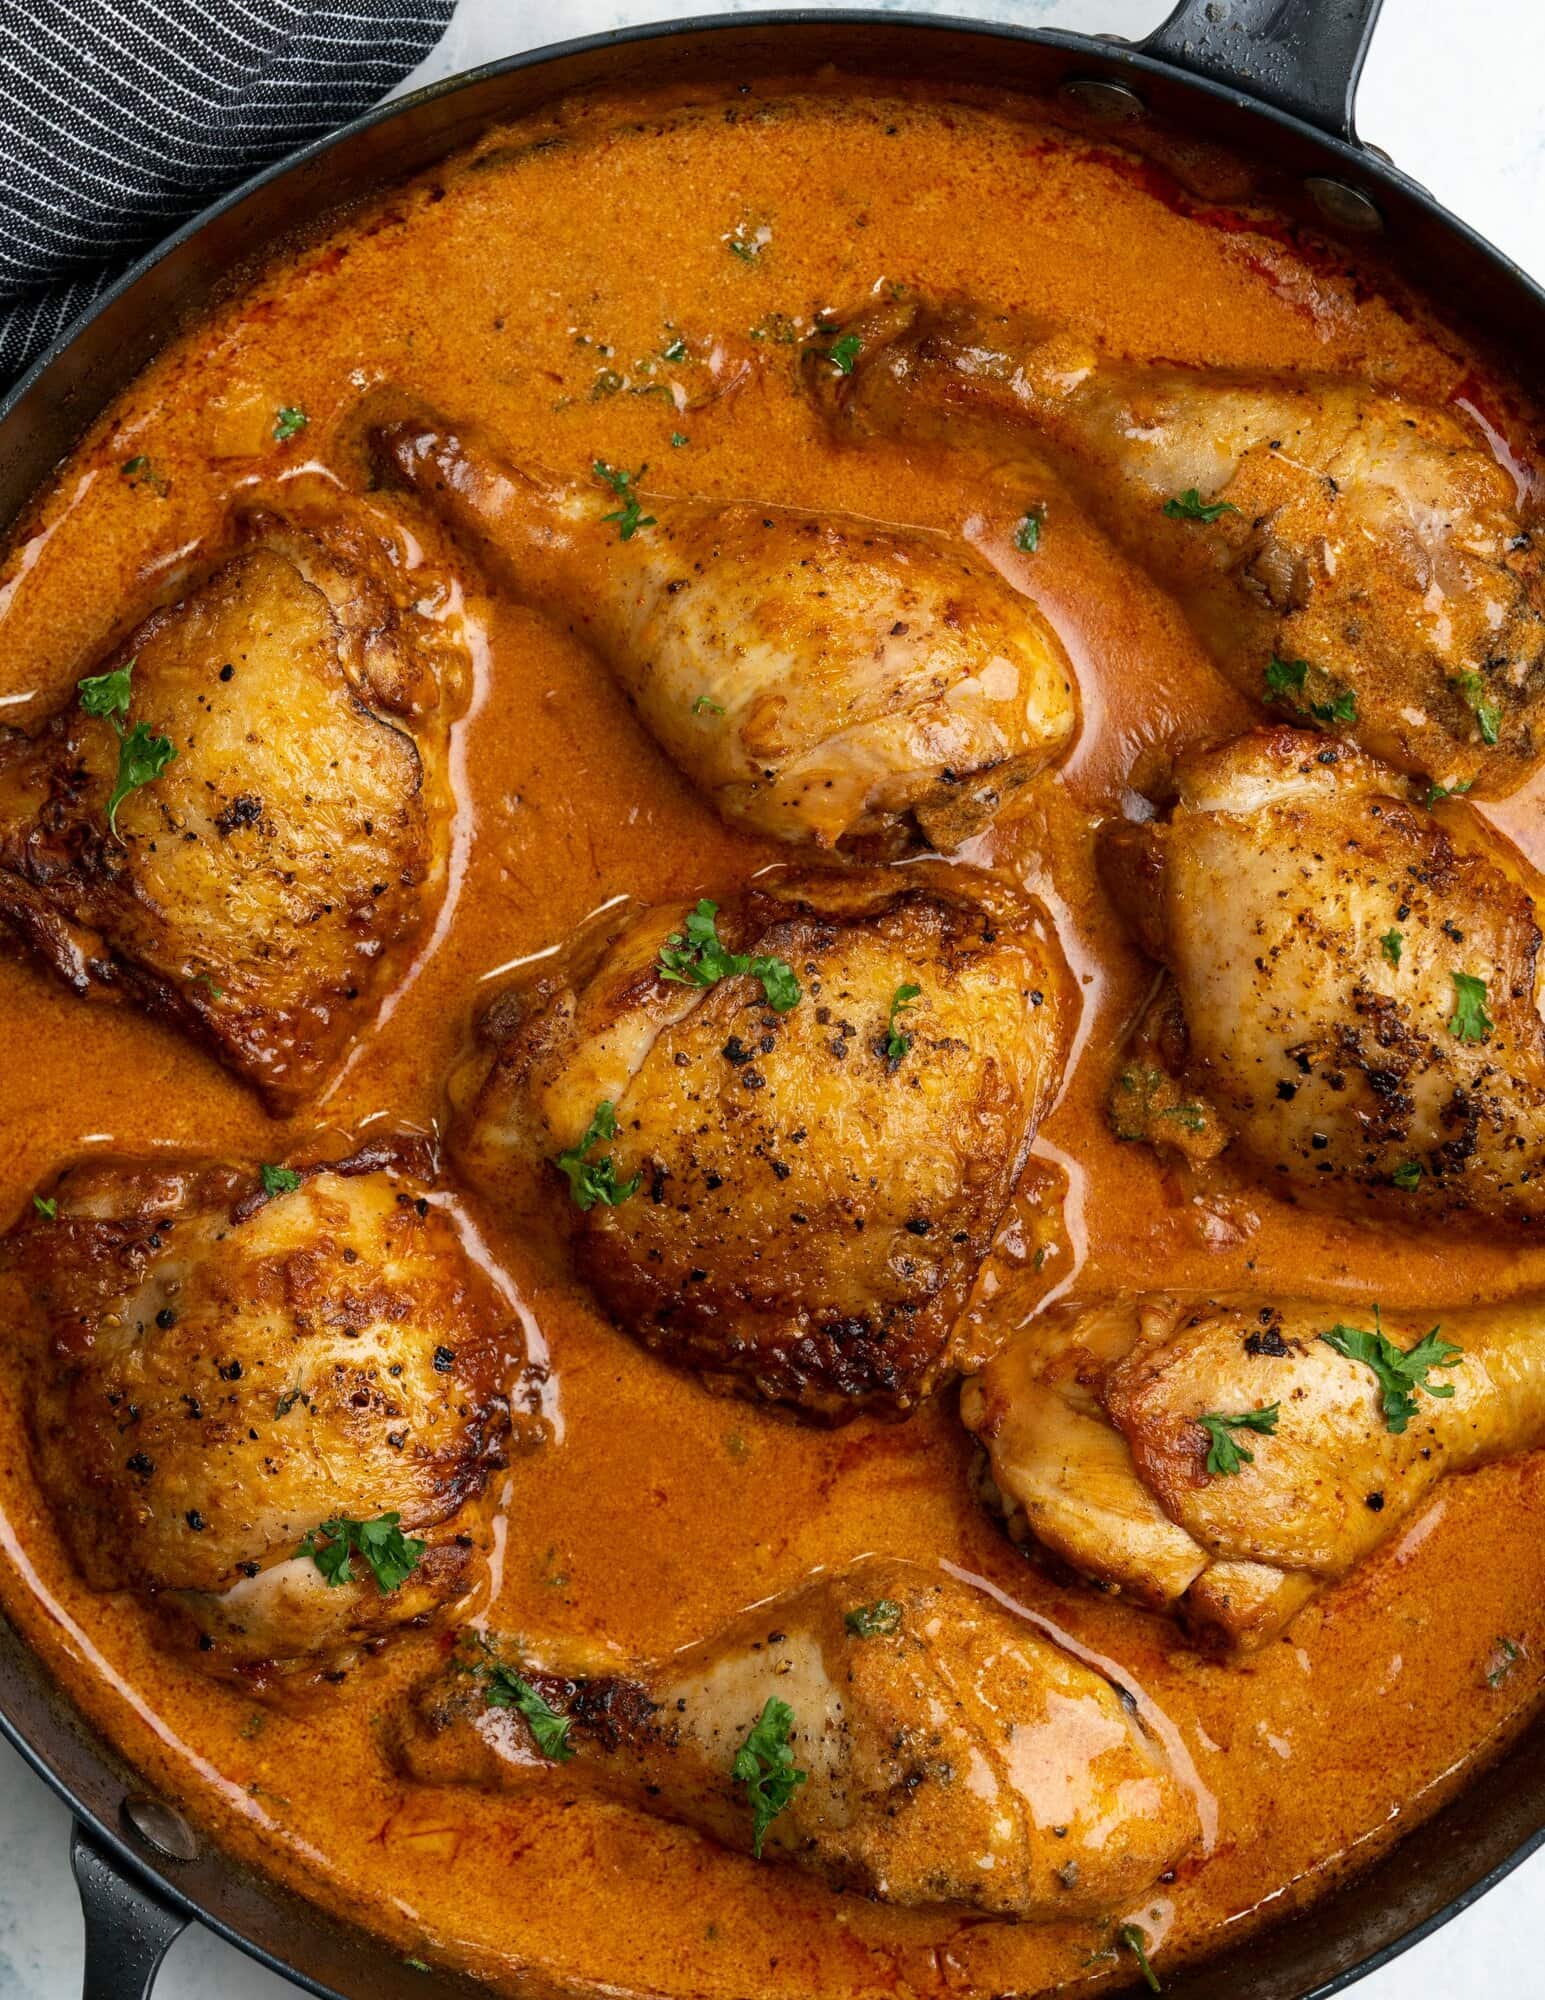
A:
[1344, 206]
[161, 1828]
[1099, 98]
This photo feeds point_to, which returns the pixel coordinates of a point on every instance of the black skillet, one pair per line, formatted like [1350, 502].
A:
[1272, 79]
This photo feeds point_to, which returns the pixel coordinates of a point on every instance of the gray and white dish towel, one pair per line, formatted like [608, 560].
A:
[120, 118]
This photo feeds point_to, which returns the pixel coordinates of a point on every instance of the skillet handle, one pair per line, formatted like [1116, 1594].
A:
[128, 1929]
[1302, 56]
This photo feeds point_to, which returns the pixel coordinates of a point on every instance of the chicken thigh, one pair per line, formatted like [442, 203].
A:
[1225, 1461]
[789, 1126]
[822, 680]
[884, 1727]
[1351, 557]
[1354, 996]
[268, 1398]
[225, 826]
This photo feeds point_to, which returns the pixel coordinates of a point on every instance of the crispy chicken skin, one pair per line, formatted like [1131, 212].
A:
[1318, 925]
[955, 1755]
[219, 1371]
[811, 1207]
[1375, 541]
[822, 680]
[258, 887]
[1089, 1421]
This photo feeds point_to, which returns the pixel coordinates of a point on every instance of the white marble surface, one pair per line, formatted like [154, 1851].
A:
[1452, 93]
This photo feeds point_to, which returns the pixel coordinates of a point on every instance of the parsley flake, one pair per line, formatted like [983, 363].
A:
[705, 705]
[1487, 710]
[1436, 791]
[1288, 682]
[1505, 1655]
[630, 516]
[288, 423]
[1399, 1374]
[1390, 944]
[1189, 506]
[877, 1620]
[696, 956]
[765, 1765]
[142, 755]
[1027, 536]
[844, 353]
[278, 1180]
[1224, 1456]
[1137, 1944]
[592, 1181]
[390, 1555]
[1407, 1176]
[1469, 1021]
[549, 1729]
[46, 1206]
[896, 1043]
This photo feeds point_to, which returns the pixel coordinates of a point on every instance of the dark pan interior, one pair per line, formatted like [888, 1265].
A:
[1455, 1856]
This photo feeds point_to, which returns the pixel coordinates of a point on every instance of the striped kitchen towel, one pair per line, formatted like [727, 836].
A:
[118, 118]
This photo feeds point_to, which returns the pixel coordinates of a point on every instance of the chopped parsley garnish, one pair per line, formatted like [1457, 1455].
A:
[1399, 1374]
[288, 422]
[142, 756]
[1469, 1021]
[844, 353]
[1390, 944]
[695, 956]
[549, 1729]
[1505, 1655]
[1288, 680]
[765, 1765]
[1285, 676]
[679, 438]
[677, 351]
[592, 1181]
[1189, 506]
[1027, 536]
[390, 1555]
[607, 383]
[747, 243]
[630, 516]
[705, 705]
[1436, 791]
[896, 1043]
[1407, 1176]
[278, 1180]
[1224, 1456]
[873, 1621]
[139, 471]
[46, 1206]
[1488, 712]
[1137, 1944]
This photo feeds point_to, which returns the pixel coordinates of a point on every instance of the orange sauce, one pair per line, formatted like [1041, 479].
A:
[508, 290]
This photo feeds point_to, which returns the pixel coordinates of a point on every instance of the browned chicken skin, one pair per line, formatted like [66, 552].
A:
[1353, 1004]
[954, 1754]
[255, 890]
[822, 680]
[220, 1371]
[1374, 546]
[812, 1199]
[1090, 1423]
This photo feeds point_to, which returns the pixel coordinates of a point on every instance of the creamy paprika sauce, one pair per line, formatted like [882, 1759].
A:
[541, 286]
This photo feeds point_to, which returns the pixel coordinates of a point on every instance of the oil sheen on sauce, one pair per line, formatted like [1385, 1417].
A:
[535, 290]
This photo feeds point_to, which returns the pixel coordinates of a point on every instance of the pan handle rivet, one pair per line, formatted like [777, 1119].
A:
[166, 1831]
[1344, 206]
[1100, 98]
